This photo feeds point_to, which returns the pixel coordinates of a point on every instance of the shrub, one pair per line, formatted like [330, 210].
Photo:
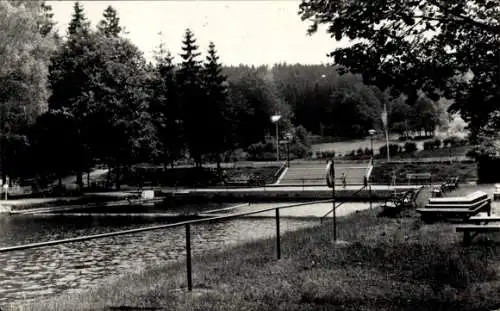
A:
[410, 147]
[436, 143]
[382, 151]
[325, 154]
[261, 151]
[237, 155]
[299, 150]
[394, 149]
[428, 145]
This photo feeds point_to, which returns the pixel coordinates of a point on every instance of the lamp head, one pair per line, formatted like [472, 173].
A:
[275, 118]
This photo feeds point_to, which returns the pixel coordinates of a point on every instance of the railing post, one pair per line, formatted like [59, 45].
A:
[332, 168]
[278, 240]
[188, 258]
[371, 198]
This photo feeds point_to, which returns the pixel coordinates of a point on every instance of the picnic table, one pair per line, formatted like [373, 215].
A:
[456, 207]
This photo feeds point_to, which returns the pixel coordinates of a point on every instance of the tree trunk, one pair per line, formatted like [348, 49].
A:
[219, 169]
[108, 175]
[79, 179]
[118, 173]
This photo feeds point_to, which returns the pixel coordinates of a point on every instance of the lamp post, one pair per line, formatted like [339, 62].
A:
[289, 137]
[372, 132]
[275, 118]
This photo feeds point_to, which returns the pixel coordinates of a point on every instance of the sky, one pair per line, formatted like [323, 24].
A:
[244, 32]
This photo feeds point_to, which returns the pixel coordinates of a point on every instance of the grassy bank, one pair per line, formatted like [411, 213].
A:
[387, 264]
[382, 172]
[192, 176]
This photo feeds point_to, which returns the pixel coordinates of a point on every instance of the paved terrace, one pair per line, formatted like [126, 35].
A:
[288, 188]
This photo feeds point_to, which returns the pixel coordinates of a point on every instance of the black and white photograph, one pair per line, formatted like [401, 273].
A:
[257, 155]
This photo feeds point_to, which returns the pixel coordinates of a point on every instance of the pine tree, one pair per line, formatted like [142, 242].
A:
[70, 76]
[215, 86]
[78, 25]
[165, 107]
[192, 98]
[110, 25]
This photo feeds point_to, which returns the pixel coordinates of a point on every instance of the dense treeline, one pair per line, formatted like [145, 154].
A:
[90, 97]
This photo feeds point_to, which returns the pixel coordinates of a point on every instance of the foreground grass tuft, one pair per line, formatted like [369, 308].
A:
[386, 264]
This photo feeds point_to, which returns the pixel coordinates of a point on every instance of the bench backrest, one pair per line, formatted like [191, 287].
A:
[418, 175]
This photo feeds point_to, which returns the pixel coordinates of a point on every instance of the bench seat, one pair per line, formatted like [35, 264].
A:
[446, 210]
[484, 219]
[464, 206]
[477, 228]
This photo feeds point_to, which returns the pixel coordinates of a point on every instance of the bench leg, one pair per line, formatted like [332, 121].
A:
[467, 238]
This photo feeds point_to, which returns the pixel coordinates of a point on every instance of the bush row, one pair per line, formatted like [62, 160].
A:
[409, 147]
[451, 142]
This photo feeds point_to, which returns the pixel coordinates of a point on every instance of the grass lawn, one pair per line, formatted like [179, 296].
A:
[386, 264]
[343, 147]
[382, 172]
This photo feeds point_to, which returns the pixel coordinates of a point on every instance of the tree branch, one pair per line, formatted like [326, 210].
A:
[467, 19]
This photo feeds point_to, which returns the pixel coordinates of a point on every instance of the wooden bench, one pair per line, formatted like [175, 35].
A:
[472, 230]
[450, 184]
[404, 199]
[419, 176]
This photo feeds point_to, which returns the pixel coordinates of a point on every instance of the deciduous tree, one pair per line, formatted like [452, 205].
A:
[24, 60]
[442, 47]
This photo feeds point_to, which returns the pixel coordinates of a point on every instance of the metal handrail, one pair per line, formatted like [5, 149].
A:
[187, 225]
[335, 208]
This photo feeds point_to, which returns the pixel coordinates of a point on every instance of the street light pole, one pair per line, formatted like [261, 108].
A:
[288, 141]
[371, 141]
[277, 143]
[372, 132]
[275, 118]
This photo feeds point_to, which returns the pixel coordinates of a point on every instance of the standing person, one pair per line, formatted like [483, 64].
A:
[344, 182]
[328, 173]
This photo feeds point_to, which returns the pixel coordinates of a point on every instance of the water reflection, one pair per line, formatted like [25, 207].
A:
[33, 273]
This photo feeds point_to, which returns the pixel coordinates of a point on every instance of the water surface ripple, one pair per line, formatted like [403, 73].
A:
[30, 274]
